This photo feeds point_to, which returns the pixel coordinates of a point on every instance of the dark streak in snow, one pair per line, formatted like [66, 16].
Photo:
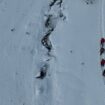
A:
[13, 29]
[43, 72]
[89, 2]
[83, 63]
[27, 33]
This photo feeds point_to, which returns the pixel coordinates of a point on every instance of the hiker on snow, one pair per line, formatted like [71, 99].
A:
[102, 50]
[102, 63]
[102, 42]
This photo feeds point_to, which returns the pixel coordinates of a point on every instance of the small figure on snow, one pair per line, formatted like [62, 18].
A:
[103, 73]
[43, 72]
[102, 50]
[102, 42]
[42, 75]
[102, 62]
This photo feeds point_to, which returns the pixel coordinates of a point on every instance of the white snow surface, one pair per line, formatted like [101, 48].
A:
[74, 75]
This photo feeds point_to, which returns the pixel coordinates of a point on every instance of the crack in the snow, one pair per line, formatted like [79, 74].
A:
[50, 24]
[57, 2]
[52, 3]
[48, 21]
[52, 16]
[46, 41]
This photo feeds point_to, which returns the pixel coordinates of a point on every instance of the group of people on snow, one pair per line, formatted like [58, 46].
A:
[102, 51]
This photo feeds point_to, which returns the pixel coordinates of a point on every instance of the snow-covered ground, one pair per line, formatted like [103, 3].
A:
[58, 37]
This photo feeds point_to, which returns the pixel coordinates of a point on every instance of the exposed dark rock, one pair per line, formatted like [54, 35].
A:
[71, 51]
[52, 3]
[46, 41]
[89, 1]
[82, 63]
[61, 15]
[60, 3]
[27, 33]
[43, 72]
[48, 21]
[13, 29]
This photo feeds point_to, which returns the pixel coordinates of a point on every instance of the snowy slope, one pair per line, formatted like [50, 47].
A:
[77, 45]
[17, 18]
[61, 38]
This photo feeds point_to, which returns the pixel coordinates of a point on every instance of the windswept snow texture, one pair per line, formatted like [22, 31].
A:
[49, 52]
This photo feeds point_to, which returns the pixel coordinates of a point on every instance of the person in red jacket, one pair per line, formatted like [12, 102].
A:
[102, 63]
[102, 41]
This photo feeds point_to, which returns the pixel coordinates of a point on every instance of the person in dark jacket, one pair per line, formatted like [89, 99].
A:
[103, 73]
[102, 50]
